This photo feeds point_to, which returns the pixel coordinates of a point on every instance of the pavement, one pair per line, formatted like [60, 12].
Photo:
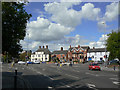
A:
[53, 76]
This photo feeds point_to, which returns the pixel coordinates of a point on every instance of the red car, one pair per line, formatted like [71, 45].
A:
[94, 66]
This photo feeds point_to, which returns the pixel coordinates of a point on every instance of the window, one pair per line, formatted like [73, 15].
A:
[100, 53]
[38, 55]
[32, 55]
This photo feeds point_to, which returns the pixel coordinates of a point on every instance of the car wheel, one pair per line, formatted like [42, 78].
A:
[99, 69]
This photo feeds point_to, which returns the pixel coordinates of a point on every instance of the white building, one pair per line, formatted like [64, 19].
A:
[97, 54]
[42, 54]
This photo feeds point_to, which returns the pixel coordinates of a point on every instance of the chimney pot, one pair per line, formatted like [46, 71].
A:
[43, 46]
[61, 48]
[47, 46]
[78, 46]
[70, 46]
[39, 46]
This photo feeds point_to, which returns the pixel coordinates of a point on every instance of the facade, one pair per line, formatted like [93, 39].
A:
[97, 54]
[60, 54]
[78, 53]
[42, 54]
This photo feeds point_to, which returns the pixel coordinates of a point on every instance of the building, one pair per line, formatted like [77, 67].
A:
[42, 54]
[97, 54]
[78, 53]
[60, 54]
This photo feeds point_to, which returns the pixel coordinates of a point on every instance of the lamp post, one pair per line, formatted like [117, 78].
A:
[104, 43]
[27, 45]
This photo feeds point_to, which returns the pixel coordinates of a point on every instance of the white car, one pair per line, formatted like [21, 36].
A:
[21, 62]
[36, 62]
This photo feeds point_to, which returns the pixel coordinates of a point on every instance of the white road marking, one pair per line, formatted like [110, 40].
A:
[91, 74]
[114, 79]
[50, 87]
[48, 77]
[67, 85]
[91, 85]
[117, 83]
[72, 76]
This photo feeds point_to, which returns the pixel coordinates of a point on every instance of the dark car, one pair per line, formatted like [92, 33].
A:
[114, 62]
[94, 66]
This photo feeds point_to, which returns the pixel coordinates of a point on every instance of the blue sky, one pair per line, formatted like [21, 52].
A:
[72, 23]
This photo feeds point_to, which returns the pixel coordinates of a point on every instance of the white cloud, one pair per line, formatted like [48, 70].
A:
[44, 30]
[110, 15]
[111, 12]
[100, 43]
[90, 12]
[63, 13]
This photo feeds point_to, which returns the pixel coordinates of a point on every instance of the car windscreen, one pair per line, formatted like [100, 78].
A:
[94, 64]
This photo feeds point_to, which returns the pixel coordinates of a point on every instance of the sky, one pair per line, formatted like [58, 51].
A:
[61, 24]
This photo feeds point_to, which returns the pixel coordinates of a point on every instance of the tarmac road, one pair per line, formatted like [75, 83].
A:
[53, 76]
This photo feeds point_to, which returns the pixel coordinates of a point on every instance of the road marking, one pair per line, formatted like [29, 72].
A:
[117, 83]
[50, 87]
[114, 79]
[72, 76]
[91, 74]
[91, 85]
[67, 85]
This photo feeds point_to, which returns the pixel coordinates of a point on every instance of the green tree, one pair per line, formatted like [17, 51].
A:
[14, 20]
[24, 54]
[113, 45]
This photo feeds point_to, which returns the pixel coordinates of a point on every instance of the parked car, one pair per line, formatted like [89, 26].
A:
[29, 62]
[114, 62]
[94, 66]
[21, 62]
[36, 62]
[100, 62]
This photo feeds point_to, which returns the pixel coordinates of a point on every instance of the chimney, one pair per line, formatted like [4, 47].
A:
[70, 46]
[39, 46]
[78, 46]
[47, 46]
[61, 48]
[43, 46]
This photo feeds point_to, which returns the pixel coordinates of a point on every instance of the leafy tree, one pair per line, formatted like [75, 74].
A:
[24, 54]
[14, 20]
[113, 45]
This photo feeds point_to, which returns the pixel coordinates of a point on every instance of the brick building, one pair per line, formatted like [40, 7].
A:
[60, 54]
[78, 53]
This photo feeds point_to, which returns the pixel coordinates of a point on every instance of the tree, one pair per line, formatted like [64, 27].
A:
[14, 20]
[24, 54]
[113, 45]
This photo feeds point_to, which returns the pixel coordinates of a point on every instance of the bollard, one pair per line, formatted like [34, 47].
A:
[114, 68]
[15, 80]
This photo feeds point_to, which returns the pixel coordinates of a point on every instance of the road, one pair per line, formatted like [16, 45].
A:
[53, 76]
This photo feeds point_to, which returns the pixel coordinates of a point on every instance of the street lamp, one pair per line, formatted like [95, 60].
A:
[27, 45]
[104, 41]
